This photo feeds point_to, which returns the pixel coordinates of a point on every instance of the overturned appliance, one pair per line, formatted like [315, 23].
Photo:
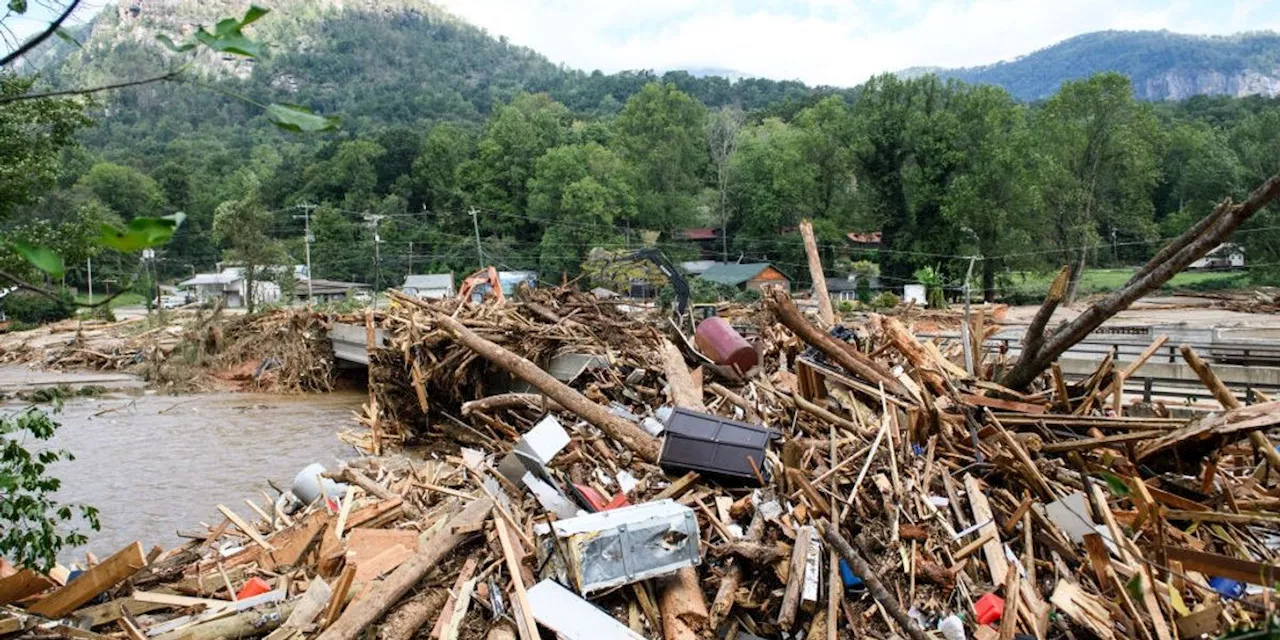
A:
[729, 450]
[621, 546]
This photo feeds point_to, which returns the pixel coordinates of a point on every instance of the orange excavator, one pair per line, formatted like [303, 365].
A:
[487, 275]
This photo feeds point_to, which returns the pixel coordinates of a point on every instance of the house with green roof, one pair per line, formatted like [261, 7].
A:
[751, 275]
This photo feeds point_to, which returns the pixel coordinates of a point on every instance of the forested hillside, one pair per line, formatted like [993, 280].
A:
[448, 134]
[1161, 65]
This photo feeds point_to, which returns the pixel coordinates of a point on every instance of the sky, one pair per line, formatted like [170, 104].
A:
[835, 42]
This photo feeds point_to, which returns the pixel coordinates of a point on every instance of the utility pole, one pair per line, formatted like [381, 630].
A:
[967, 328]
[410, 257]
[373, 220]
[475, 222]
[90, 279]
[306, 218]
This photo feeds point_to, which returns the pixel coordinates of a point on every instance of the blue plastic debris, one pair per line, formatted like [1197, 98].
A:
[917, 449]
[851, 579]
[1227, 587]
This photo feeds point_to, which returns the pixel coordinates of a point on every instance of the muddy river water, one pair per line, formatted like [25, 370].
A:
[155, 464]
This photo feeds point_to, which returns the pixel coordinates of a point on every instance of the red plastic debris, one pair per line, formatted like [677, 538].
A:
[254, 587]
[989, 607]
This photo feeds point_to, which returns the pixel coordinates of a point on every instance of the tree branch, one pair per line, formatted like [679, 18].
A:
[106, 87]
[42, 36]
[1209, 233]
[53, 295]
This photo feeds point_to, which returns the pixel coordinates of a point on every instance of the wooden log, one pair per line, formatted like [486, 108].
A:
[625, 432]
[510, 401]
[854, 362]
[246, 624]
[680, 597]
[872, 581]
[820, 412]
[795, 579]
[387, 593]
[825, 313]
[109, 573]
[1228, 401]
[359, 479]
[726, 595]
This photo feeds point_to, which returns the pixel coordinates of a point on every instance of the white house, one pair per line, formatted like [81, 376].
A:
[230, 285]
[430, 285]
[1225, 256]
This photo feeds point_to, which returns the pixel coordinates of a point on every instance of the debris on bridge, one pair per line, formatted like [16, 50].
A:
[584, 471]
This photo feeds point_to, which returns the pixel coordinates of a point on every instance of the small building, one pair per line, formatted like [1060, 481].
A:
[751, 275]
[230, 285]
[868, 241]
[438, 286]
[331, 290]
[1224, 257]
[706, 239]
[841, 289]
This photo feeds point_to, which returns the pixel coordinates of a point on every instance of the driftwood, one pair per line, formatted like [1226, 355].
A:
[627, 433]
[843, 354]
[1039, 350]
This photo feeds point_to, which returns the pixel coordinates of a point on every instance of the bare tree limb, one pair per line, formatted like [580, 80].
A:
[106, 87]
[1178, 255]
[42, 36]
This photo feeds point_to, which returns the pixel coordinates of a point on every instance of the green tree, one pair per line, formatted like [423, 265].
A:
[349, 177]
[125, 190]
[33, 134]
[580, 194]
[497, 178]
[768, 189]
[437, 185]
[242, 228]
[662, 133]
[1098, 161]
[992, 199]
[829, 140]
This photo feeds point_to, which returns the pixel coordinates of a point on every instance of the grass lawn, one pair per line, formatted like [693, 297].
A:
[127, 299]
[1036, 285]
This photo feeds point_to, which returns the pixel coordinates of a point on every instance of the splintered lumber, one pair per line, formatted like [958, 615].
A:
[843, 354]
[795, 578]
[22, 584]
[726, 595]
[1084, 609]
[1266, 575]
[825, 313]
[384, 595]
[1209, 432]
[1117, 384]
[88, 585]
[248, 529]
[997, 564]
[625, 432]
[1228, 401]
[525, 623]
[359, 479]
[869, 577]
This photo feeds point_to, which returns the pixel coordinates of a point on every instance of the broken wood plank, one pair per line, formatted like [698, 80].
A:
[526, 625]
[23, 584]
[387, 593]
[88, 585]
[992, 549]
[248, 529]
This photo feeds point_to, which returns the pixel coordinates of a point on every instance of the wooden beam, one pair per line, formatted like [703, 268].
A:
[825, 312]
[992, 549]
[248, 529]
[1095, 443]
[526, 625]
[109, 573]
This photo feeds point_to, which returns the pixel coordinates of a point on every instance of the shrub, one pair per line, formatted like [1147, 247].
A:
[32, 308]
[886, 300]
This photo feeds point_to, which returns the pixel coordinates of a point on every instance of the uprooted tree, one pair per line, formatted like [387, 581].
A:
[1039, 349]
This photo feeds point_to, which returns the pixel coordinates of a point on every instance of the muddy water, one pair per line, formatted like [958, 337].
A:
[155, 464]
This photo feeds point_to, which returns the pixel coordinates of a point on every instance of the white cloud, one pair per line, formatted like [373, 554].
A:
[829, 41]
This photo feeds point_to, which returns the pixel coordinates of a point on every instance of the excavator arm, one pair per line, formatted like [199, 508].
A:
[669, 270]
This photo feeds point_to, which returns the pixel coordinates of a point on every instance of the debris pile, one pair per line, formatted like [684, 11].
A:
[181, 350]
[579, 477]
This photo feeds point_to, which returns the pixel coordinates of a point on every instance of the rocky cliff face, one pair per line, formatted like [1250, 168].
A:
[1179, 85]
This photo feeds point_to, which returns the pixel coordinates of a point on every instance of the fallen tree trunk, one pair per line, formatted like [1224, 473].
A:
[389, 592]
[854, 362]
[630, 435]
[1039, 351]
[510, 401]
[869, 577]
